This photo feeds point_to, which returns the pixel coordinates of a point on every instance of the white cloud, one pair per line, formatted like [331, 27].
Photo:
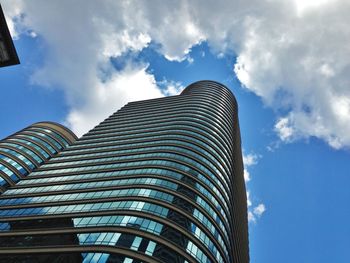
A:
[259, 210]
[251, 217]
[254, 212]
[250, 159]
[12, 10]
[293, 54]
[171, 88]
[284, 128]
[246, 175]
[249, 201]
[298, 62]
[305, 5]
[82, 37]
[105, 98]
[190, 60]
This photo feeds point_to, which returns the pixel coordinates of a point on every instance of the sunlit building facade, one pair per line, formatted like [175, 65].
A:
[160, 180]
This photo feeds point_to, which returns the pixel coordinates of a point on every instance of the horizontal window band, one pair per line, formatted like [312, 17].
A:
[54, 135]
[140, 106]
[181, 120]
[148, 147]
[170, 130]
[137, 162]
[162, 169]
[172, 140]
[228, 133]
[190, 157]
[194, 125]
[110, 228]
[7, 179]
[203, 180]
[58, 128]
[119, 187]
[40, 137]
[17, 160]
[149, 106]
[206, 194]
[49, 138]
[156, 202]
[80, 249]
[124, 219]
[23, 149]
[16, 155]
[38, 141]
[44, 155]
[204, 111]
[14, 175]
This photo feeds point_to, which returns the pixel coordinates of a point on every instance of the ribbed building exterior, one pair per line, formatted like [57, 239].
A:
[160, 180]
[27, 149]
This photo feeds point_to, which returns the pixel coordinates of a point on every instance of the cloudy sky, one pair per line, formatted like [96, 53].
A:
[286, 61]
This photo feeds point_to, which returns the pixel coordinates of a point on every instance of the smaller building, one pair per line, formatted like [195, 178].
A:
[8, 54]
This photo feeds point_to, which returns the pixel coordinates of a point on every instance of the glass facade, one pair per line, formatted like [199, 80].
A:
[24, 151]
[160, 180]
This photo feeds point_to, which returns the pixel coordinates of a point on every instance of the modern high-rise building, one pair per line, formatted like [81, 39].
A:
[160, 180]
[8, 54]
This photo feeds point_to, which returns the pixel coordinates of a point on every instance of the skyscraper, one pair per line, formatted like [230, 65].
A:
[160, 180]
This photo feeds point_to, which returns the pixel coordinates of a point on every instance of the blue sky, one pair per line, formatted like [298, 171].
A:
[284, 63]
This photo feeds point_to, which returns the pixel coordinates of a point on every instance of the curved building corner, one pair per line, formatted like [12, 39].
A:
[26, 150]
[217, 94]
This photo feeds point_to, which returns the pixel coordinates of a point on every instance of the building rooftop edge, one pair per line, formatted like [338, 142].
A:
[216, 83]
[75, 137]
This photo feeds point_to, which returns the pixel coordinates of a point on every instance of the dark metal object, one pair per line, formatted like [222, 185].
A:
[8, 54]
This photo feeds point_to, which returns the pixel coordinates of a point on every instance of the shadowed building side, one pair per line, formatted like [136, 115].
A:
[8, 54]
[220, 94]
